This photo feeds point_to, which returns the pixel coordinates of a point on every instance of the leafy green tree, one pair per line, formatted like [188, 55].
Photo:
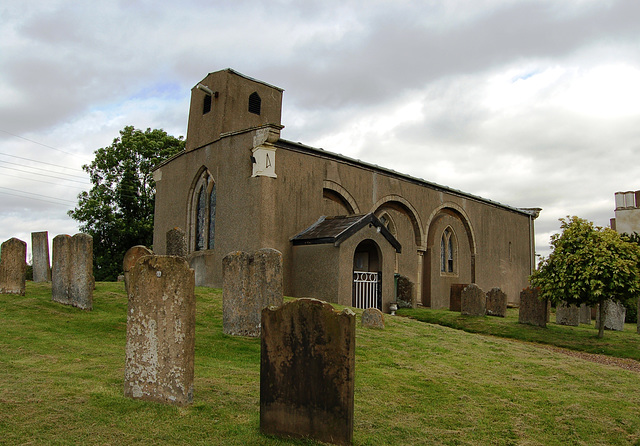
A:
[588, 265]
[118, 210]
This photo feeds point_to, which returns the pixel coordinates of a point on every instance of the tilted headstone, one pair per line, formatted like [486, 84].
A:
[533, 311]
[567, 315]
[13, 267]
[455, 296]
[614, 315]
[473, 301]
[176, 242]
[161, 318]
[372, 318]
[585, 314]
[72, 280]
[250, 283]
[130, 258]
[307, 371]
[40, 254]
[496, 302]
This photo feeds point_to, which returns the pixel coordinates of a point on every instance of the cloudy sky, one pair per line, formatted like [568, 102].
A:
[532, 103]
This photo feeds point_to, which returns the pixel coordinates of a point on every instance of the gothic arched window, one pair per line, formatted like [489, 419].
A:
[203, 213]
[447, 251]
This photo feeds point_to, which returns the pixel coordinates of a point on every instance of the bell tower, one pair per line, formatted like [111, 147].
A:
[225, 102]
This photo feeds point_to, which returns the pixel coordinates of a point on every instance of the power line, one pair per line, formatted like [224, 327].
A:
[42, 162]
[43, 174]
[37, 195]
[39, 143]
[32, 198]
[40, 181]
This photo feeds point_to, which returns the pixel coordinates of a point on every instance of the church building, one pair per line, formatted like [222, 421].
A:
[346, 229]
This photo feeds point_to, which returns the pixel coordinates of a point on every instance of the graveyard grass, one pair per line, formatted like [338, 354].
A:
[61, 382]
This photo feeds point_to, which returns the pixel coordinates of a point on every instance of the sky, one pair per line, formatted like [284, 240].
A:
[531, 103]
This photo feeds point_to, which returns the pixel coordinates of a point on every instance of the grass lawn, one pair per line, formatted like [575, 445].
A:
[61, 382]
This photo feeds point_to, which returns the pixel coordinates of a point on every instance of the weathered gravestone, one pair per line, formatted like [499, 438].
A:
[585, 314]
[130, 258]
[473, 301]
[614, 315]
[250, 283]
[176, 242]
[161, 318]
[533, 311]
[567, 314]
[307, 371]
[13, 267]
[372, 318]
[40, 253]
[496, 302]
[455, 296]
[72, 279]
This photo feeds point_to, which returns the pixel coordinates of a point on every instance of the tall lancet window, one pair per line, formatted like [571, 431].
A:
[447, 251]
[203, 213]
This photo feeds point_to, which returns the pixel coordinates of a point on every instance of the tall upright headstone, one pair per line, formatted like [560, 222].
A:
[176, 242]
[585, 314]
[533, 311]
[455, 296]
[72, 280]
[250, 283]
[614, 315]
[473, 301]
[40, 253]
[130, 258]
[307, 371]
[496, 302]
[567, 315]
[161, 316]
[13, 267]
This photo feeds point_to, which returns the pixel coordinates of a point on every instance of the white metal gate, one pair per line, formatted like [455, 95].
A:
[367, 290]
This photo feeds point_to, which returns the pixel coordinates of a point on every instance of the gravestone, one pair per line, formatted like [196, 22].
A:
[496, 302]
[72, 281]
[455, 296]
[176, 242]
[567, 314]
[161, 315]
[249, 284]
[372, 318]
[533, 311]
[473, 301]
[614, 314]
[307, 371]
[40, 253]
[13, 267]
[585, 314]
[130, 258]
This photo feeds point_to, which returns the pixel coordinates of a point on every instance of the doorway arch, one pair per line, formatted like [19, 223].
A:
[367, 275]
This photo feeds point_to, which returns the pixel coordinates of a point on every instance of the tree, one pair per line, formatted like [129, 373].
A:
[588, 265]
[118, 210]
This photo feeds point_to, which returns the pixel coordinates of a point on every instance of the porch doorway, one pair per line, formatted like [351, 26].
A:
[367, 276]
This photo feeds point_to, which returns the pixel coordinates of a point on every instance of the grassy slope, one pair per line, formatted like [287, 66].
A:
[61, 381]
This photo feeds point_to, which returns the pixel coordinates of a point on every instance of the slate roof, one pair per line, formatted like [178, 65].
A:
[339, 228]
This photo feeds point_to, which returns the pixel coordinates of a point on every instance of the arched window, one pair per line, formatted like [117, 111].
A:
[203, 213]
[255, 103]
[447, 251]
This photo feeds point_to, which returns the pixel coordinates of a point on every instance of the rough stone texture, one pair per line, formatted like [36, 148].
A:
[533, 311]
[567, 315]
[496, 302]
[585, 314]
[473, 301]
[161, 318]
[72, 280]
[13, 267]
[176, 242]
[40, 253]
[614, 314]
[372, 318]
[130, 258]
[250, 284]
[307, 371]
[456, 295]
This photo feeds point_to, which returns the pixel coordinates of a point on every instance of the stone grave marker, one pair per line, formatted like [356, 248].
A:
[585, 314]
[473, 301]
[567, 315]
[455, 296]
[40, 254]
[533, 311]
[130, 258]
[614, 315]
[250, 283]
[161, 315]
[307, 371]
[72, 280]
[496, 302]
[372, 318]
[13, 267]
[176, 242]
